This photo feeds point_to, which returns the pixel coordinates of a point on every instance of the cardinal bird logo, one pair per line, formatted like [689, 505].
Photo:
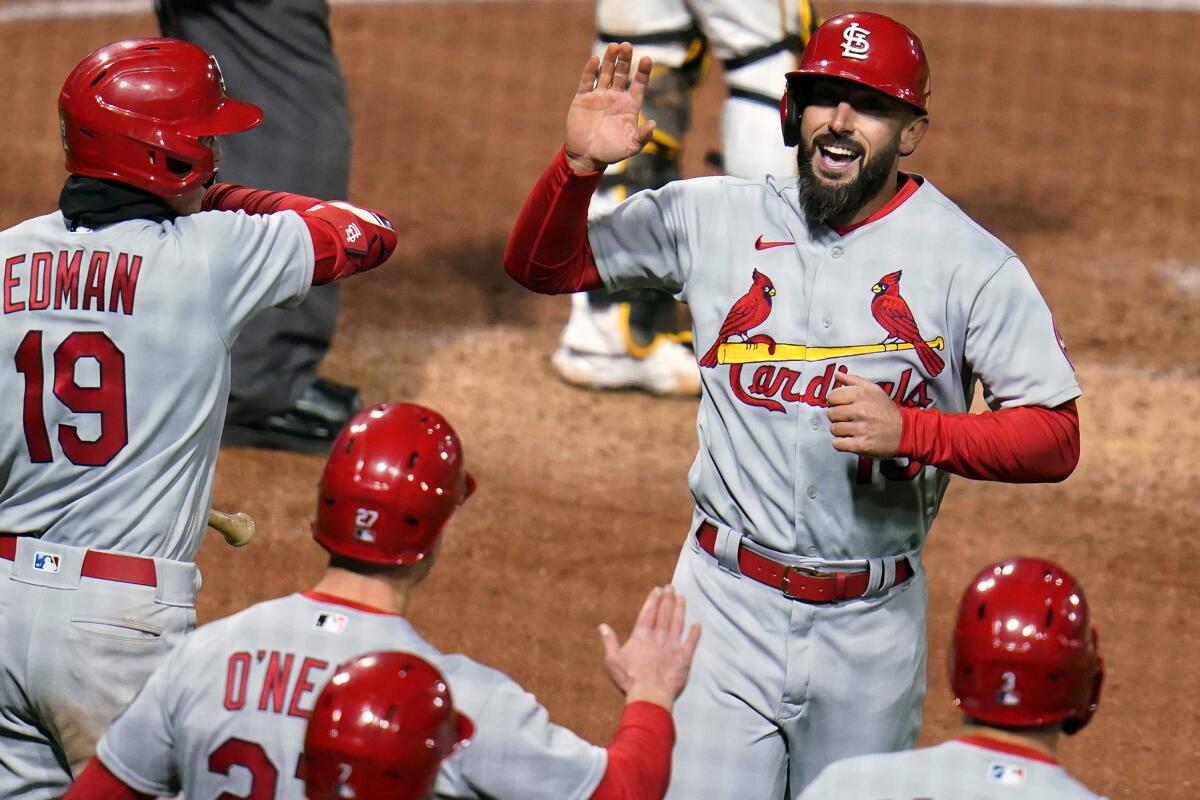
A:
[750, 311]
[895, 317]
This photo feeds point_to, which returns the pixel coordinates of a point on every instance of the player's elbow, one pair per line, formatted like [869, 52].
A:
[521, 268]
[526, 273]
[1066, 463]
[1066, 456]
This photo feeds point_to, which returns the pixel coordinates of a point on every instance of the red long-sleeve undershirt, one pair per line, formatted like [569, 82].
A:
[1026, 444]
[639, 755]
[331, 261]
[97, 783]
[548, 252]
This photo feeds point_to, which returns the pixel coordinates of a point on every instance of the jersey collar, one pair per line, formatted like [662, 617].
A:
[1005, 747]
[908, 186]
[330, 599]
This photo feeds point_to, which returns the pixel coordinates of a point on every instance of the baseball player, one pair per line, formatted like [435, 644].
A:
[843, 317]
[119, 312]
[226, 710]
[634, 338]
[1024, 669]
[380, 728]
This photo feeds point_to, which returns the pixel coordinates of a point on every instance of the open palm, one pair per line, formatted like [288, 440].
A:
[602, 125]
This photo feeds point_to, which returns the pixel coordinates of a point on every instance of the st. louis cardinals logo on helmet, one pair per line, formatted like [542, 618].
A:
[854, 42]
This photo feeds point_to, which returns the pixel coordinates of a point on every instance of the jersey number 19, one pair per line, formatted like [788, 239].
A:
[106, 399]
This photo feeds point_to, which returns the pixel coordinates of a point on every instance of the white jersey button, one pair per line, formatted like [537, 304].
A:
[826, 321]
[814, 423]
[812, 492]
[837, 252]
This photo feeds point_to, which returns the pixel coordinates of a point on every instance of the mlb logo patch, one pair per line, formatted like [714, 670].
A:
[330, 622]
[47, 562]
[1007, 774]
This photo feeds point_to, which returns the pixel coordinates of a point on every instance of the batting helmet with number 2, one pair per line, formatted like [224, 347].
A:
[866, 48]
[379, 729]
[135, 112]
[394, 476]
[1025, 653]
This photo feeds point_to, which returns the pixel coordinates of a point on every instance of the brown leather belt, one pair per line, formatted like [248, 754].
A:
[796, 582]
[99, 564]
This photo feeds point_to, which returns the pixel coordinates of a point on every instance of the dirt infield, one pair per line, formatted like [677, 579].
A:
[1069, 133]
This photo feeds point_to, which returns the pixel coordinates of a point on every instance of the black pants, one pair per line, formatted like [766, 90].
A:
[277, 54]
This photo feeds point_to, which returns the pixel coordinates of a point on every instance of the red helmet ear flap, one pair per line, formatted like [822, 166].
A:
[1079, 722]
[789, 118]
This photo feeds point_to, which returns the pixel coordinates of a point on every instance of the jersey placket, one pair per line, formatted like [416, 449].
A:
[811, 423]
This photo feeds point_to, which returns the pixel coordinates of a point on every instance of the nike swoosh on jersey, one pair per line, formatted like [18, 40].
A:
[759, 244]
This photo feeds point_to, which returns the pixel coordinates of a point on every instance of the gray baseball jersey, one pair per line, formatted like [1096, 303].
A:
[965, 769]
[766, 464]
[921, 301]
[118, 341]
[226, 711]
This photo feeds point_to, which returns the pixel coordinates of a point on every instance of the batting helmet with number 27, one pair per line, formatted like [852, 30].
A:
[394, 476]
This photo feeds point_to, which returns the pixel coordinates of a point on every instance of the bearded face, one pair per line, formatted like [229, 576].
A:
[851, 138]
[827, 192]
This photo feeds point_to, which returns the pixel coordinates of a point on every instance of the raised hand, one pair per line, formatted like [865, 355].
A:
[602, 125]
[653, 664]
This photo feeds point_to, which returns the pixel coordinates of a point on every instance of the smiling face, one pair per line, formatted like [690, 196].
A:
[852, 137]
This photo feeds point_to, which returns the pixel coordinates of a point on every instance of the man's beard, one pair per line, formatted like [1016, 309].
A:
[823, 203]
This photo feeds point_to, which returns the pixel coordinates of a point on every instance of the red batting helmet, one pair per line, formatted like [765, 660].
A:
[394, 476]
[1024, 652]
[134, 112]
[379, 730]
[866, 48]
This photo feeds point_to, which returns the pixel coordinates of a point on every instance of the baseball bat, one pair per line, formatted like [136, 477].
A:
[738, 353]
[237, 528]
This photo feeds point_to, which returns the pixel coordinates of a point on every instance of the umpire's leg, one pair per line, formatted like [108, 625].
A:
[277, 56]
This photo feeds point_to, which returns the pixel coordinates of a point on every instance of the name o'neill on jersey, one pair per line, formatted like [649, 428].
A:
[43, 280]
[768, 381]
[274, 682]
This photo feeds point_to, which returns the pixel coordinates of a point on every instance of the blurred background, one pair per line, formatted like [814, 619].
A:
[1069, 129]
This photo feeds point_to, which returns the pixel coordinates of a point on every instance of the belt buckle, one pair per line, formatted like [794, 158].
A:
[788, 569]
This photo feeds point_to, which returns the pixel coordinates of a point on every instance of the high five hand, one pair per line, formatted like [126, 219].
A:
[602, 125]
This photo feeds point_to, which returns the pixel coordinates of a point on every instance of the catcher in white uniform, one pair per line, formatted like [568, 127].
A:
[844, 316]
[226, 711]
[119, 312]
[638, 338]
[1024, 669]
